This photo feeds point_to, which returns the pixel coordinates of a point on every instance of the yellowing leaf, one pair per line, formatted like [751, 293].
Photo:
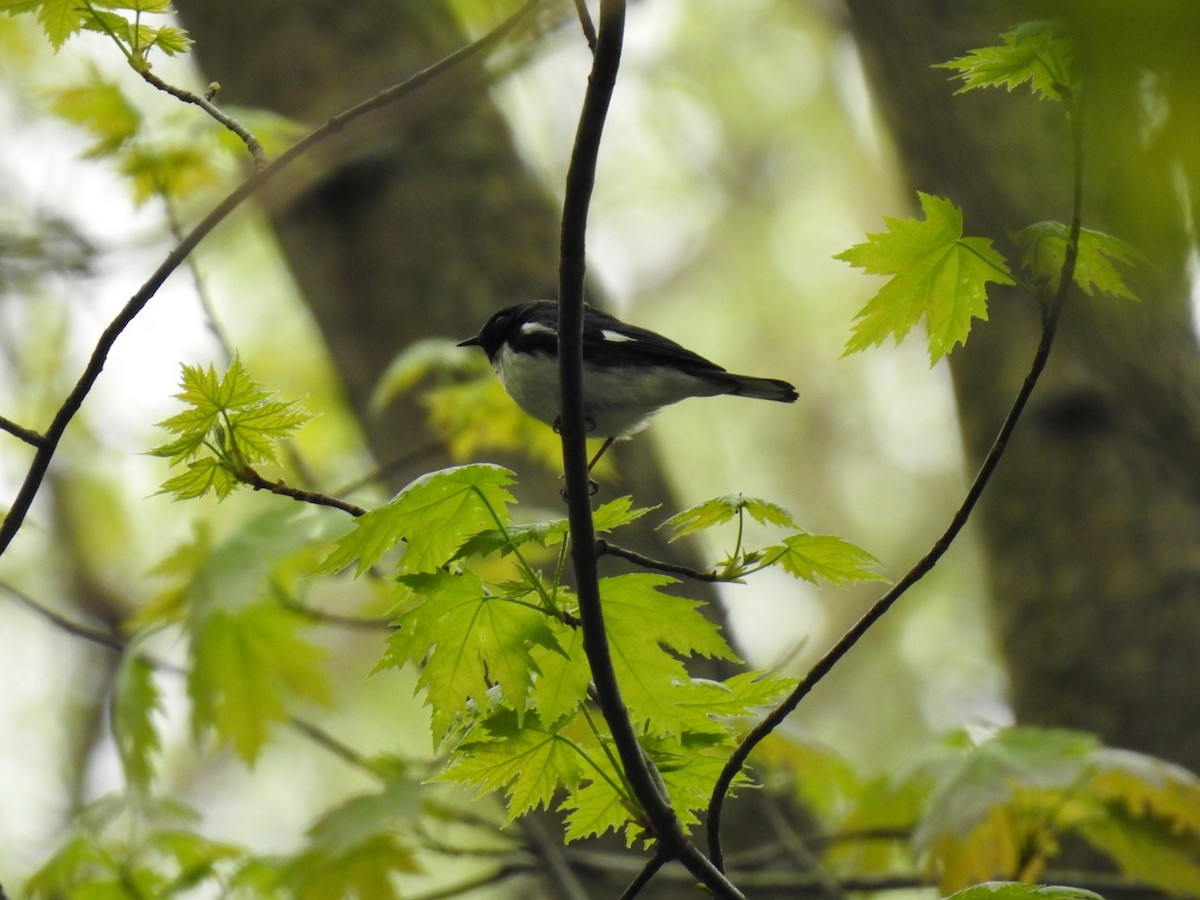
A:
[936, 273]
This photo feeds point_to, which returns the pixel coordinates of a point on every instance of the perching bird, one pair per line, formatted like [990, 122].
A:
[629, 373]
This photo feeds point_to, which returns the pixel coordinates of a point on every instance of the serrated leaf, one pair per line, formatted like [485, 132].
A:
[101, 107]
[1032, 53]
[59, 19]
[1045, 249]
[607, 516]
[468, 641]
[135, 701]
[248, 664]
[719, 510]
[647, 632]
[564, 676]
[812, 557]
[434, 515]
[937, 274]
[594, 809]
[229, 417]
[1015, 890]
[200, 477]
[529, 763]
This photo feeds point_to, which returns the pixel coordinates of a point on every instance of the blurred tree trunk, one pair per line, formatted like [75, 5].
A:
[418, 222]
[1092, 524]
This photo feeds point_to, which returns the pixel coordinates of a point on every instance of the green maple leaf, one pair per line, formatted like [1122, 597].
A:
[1045, 248]
[469, 640]
[647, 632]
[135, 701]
[815, 556]
[101, 107]
[720, 510]
[434, 515]
[936, 273]
[605, 518]
[248, 663]
[229, 419]
[564, 675]
[1033, 53]
[595, 808]
[527, 761]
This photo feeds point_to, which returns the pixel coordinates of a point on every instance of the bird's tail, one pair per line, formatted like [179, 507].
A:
[761, 388]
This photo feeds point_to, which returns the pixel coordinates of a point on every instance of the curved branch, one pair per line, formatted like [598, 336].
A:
[108, 338]
[644, 781]
[923, 566]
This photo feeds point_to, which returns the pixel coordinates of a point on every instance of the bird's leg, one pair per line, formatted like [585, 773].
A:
[599, 453]
[588, 425]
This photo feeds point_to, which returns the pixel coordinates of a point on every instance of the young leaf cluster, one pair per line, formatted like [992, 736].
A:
[502, 666]
[231, 424]
[939, 274]
[121, 20]
[810, 557]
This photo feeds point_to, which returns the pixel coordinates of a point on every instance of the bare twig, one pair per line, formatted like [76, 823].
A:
[585, 22]
[251, 478]
[94, 635]
[653, 864]
[205, 103]
[28, 435]
[604, 548]
[36, 473]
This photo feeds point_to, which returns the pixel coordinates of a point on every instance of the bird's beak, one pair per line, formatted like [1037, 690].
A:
[469, 342]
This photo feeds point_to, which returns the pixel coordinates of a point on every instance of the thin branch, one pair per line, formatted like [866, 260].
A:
[585, 22]
[250, 477]
[473, 884]
[342, 751]
[28, 435]
[549, 850]
[581, 177]
[653, 864]
[94, 635]
[205, 103]
[1051, 313]
[326, 618]
[36, 473]
[604, 548]
[670, 841]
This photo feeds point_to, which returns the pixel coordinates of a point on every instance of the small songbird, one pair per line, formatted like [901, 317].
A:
[629, 373]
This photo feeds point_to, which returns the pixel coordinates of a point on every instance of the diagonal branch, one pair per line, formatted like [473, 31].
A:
[71, 405]
[1051, 311]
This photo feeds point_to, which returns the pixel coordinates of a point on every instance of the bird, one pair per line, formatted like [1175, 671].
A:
[629, 373]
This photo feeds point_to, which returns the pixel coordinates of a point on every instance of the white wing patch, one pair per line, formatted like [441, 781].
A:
[616, 336]
[536, 328]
